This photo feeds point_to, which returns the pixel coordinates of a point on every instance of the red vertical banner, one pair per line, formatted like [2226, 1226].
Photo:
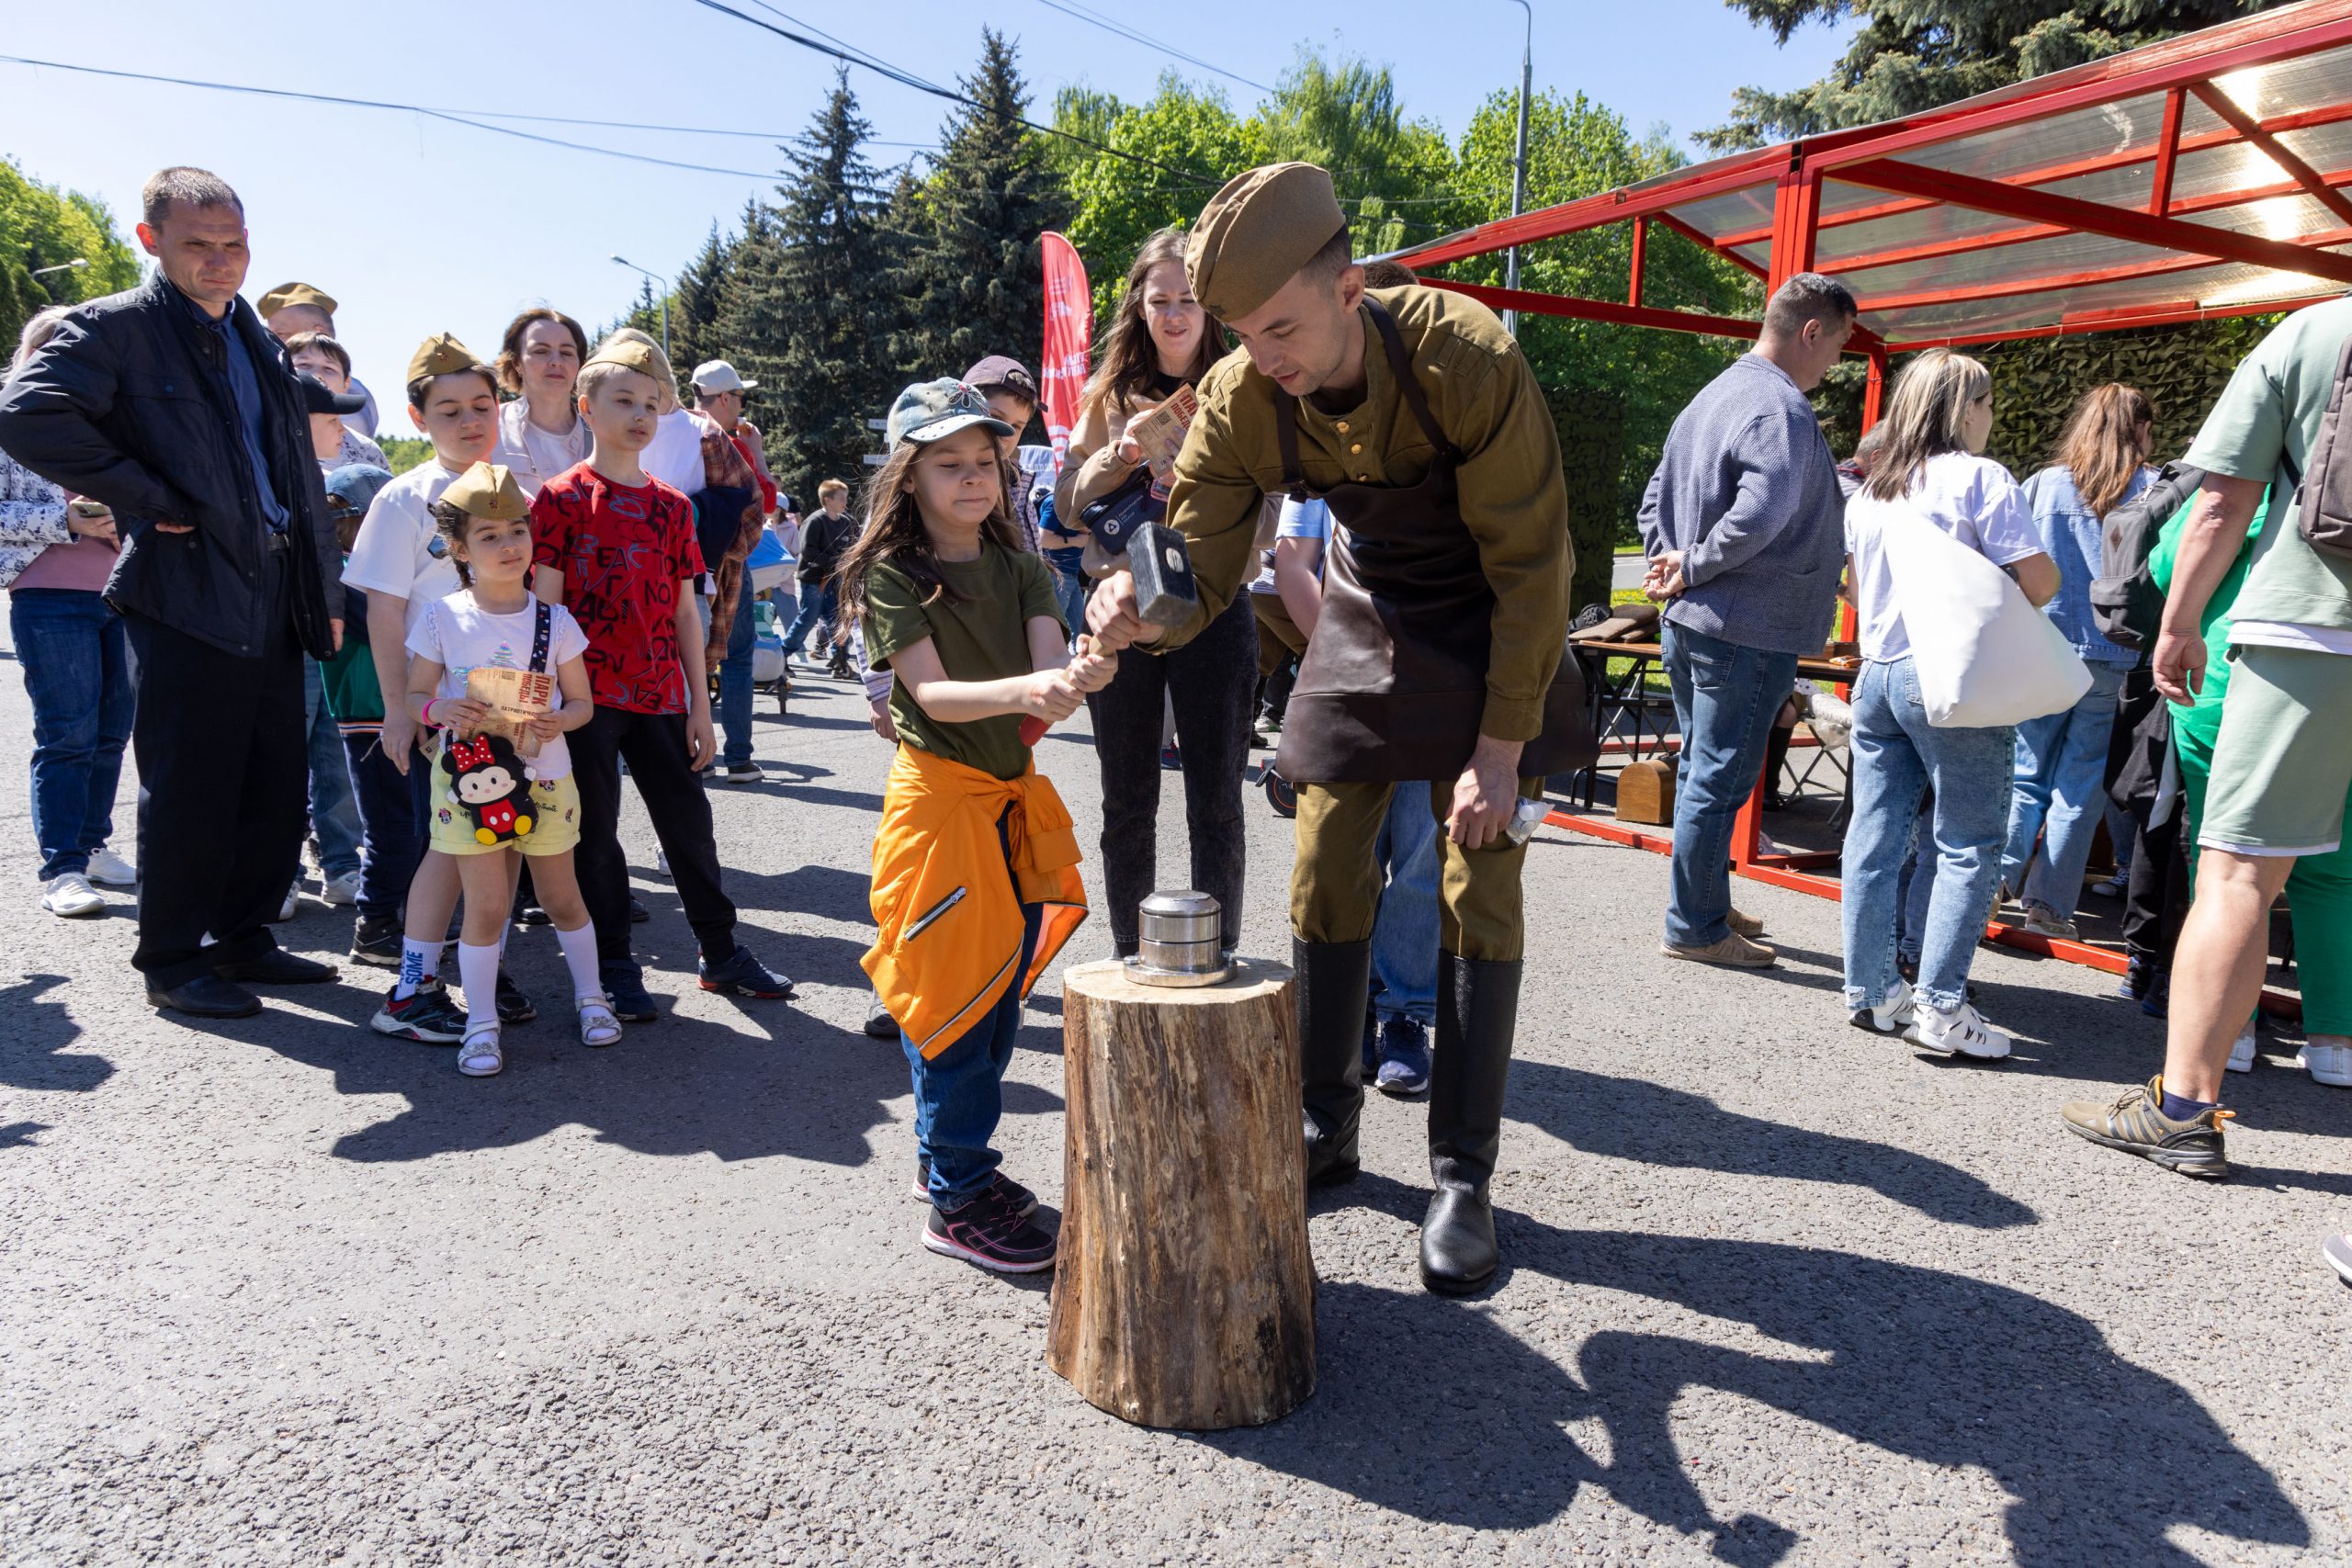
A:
[1070, 339]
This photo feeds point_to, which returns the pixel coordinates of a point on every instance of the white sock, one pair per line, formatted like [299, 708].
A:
[580, 957]
[478, 971]
[420, 962]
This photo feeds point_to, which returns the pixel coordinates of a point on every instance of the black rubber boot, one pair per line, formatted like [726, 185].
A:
[1776, 758]
[1477, 1013]
[1334, 988]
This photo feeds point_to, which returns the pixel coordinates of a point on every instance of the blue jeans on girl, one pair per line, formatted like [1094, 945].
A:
[818, 603]
[2059, 795]
[1896, 755]
[76, 660]
[334, 818]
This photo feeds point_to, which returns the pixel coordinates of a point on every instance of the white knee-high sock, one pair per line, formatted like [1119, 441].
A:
[478, 971]
[580, 957]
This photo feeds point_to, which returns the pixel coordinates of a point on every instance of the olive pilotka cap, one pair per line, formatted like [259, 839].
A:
[441, 355]
[488, 491]
[287, 295]
[1256, 233]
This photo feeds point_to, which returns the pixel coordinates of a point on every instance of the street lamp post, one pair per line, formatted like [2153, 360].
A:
[1518, 161]
[77, 265]
[656, 278]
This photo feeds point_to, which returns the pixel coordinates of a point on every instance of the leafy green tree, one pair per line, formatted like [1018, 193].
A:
[43, 226]
[1916, 54]
[1189, 140]
[1577, 148]
[812, 300]
[1396, 177]
[973, 282]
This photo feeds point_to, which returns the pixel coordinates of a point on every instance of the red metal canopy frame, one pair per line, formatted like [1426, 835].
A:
[2193, 179]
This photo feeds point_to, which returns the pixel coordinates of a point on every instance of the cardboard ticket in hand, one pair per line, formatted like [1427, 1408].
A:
[1159, 432]
[514, 697]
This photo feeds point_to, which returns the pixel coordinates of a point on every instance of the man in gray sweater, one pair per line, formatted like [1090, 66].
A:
[1744, 531]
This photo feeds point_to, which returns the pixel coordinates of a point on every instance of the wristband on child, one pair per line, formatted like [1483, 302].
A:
[428, 711]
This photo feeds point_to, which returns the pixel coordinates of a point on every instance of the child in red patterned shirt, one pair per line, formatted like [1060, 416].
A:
[617, 547]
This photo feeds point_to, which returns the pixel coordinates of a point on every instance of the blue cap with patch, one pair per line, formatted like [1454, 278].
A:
[933, 410]
[351, 489]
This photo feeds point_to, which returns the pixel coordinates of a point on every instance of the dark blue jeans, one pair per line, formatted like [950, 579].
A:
[392, 811]
[735, 681]
[1725, 697]
[959, 1094]
[818, 603]
[76, 660]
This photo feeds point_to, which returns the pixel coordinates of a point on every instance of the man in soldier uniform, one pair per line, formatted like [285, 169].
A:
[1439, 654]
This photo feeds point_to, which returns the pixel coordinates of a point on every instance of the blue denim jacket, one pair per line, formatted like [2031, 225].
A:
[2071, 536]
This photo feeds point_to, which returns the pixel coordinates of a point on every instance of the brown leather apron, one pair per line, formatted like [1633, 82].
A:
[1393, 682]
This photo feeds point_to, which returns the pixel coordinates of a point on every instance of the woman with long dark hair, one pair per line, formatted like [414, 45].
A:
[1928, 472]
[2061, 772]
[540, 433]
[1160, 342]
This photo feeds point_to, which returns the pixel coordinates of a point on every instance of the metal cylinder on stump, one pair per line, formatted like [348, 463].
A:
[1184, 1292]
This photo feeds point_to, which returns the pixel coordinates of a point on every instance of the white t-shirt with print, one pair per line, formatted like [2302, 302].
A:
[400, 550]
[461, 637]
[1973, 498]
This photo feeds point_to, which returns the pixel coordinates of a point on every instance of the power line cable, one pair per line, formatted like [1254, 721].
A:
[451, 118]
[1120, 29]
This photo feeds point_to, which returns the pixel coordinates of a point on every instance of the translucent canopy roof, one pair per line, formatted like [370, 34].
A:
[2200, 176]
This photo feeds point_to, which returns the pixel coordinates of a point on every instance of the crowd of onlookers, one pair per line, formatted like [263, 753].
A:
[210, 561]
[2201, 725]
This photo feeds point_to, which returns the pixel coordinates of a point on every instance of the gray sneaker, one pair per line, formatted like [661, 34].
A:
[2135, 1123]
[1735, 952]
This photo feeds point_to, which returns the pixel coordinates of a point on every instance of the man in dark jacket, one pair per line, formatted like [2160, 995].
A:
[173, 405]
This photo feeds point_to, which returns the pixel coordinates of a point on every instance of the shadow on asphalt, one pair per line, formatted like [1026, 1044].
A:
[1432, 1408]
[32, 1048]
[1636, 1120]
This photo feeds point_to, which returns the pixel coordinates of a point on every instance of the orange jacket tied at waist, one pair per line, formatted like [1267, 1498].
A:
[947, 904]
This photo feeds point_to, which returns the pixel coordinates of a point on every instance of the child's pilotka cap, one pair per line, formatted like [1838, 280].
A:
[933, 410]
[441, 355]
[632, 350]
[285, 296]
[488, 491]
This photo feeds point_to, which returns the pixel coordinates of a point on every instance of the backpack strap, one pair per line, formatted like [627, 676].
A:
[542, 634]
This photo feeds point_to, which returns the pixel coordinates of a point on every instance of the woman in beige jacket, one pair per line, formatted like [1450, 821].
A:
[1160, 341]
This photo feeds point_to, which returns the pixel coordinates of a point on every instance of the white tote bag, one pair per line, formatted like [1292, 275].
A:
[1983, 654]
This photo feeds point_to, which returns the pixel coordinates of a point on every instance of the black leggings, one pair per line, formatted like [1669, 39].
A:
[1211, 682]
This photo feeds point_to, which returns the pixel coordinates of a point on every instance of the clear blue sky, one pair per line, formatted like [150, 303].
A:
[419, 226]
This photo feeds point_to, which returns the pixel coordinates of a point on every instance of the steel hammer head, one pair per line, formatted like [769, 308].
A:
[1162, 563]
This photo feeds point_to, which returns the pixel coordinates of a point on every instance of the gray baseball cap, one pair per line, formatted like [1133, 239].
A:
[932, 410]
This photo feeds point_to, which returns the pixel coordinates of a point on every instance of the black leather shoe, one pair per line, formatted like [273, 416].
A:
[206, 995]
[625, 985]
[279, 968]
[1334, 987]
[1477, 1013]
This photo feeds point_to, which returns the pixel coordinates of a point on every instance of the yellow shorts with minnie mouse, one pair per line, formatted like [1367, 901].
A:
[553, 806]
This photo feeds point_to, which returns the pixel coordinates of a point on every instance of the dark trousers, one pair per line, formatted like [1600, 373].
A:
[1211, 682]
[2155, 897]
[654, 746]
[391, 822]
[224, 790]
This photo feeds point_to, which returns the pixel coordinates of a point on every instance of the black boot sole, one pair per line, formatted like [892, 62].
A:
[1446, 1285]
[157, 1001]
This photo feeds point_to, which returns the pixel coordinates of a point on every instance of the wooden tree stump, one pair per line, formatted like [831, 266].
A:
[1184, 1295]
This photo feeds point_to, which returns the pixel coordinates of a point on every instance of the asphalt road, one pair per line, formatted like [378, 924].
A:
[1774, 1290]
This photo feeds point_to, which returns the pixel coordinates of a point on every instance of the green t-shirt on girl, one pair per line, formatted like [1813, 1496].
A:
[981, 630]
[2204, 717]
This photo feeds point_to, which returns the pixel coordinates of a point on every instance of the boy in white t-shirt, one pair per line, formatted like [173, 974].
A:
[493, 807]
[401, 562]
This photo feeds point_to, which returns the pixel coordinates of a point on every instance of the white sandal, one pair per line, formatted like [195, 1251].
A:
[599, 1025]
[480, 1056]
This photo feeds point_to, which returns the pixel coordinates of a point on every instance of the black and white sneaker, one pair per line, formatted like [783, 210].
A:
[377, 940]
[741, 975]
[741, 772]
[513, 1007]
[1018, 1198]
[427, 1015]
[986, 1231]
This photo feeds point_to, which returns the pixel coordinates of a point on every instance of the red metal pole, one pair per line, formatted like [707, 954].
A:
[1641, 256]
[2167, 154]
[2303, 174]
